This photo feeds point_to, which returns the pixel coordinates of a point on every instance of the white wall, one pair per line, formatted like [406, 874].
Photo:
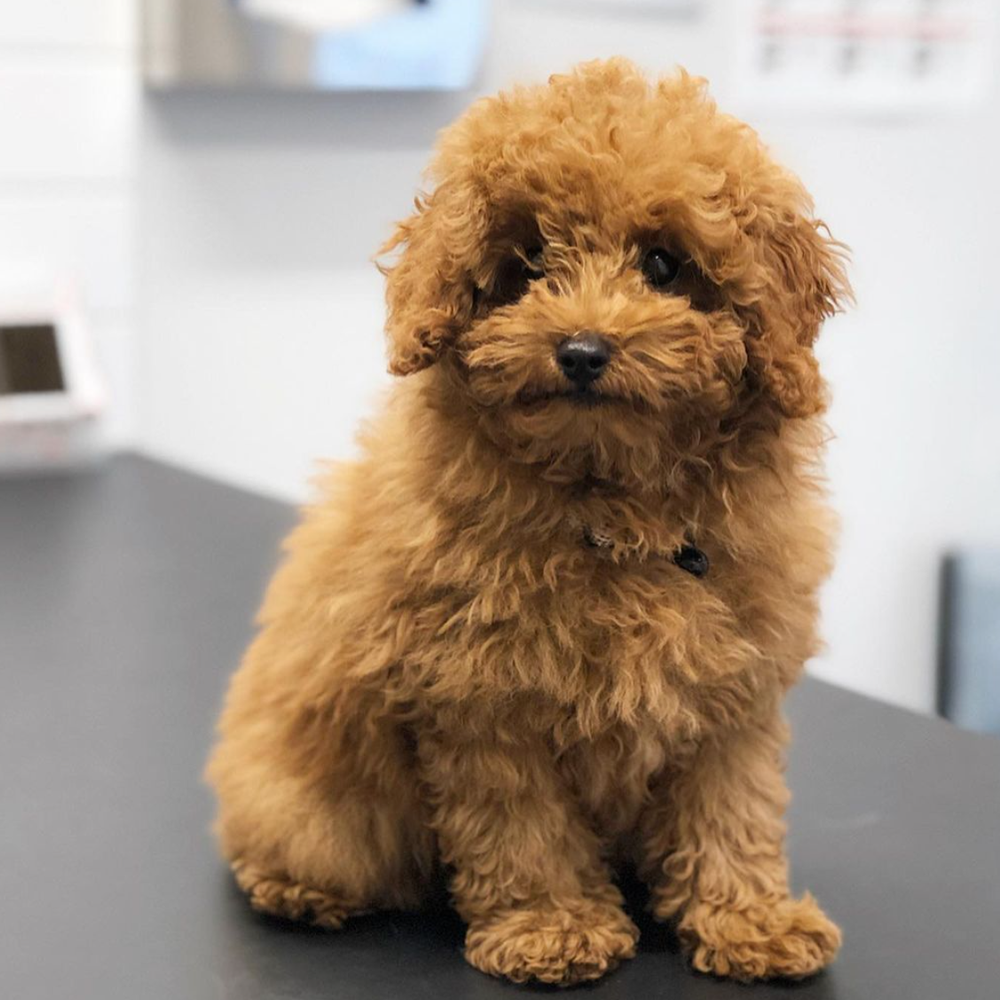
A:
[68, 102]
[260, 315]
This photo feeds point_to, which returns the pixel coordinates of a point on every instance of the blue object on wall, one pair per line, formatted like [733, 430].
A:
[969, 678]
[313, 44]
[430, 46]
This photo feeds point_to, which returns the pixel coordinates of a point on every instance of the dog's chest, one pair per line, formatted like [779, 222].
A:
[604, 644]
[609, 776]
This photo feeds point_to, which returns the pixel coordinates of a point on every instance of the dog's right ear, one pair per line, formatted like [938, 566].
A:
[429, 292]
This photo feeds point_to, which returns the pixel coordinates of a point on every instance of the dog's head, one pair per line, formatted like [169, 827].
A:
[602, 262]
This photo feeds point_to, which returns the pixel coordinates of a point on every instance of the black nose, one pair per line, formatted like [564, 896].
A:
[583, 358]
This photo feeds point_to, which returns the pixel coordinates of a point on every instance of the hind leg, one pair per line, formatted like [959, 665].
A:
[318, 812]
[282, 897]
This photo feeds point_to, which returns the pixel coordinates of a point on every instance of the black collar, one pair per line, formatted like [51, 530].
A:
[688, 557]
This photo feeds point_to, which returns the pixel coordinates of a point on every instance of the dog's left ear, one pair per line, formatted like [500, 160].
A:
[804, 283]
[428, 290]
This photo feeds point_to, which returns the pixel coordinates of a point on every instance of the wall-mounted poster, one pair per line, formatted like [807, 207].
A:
[313, 44]
[865, 55]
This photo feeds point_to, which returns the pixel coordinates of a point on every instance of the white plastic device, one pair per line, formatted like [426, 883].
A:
[52, 398]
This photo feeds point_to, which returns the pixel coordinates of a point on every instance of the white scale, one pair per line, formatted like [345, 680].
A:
[52, 399]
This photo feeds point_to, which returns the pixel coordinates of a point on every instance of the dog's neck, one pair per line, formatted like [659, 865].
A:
[624, 519]
[687, 557]
[625, 526]
[638, 510]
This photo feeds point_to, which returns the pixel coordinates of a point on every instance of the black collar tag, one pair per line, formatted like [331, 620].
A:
[691, 560]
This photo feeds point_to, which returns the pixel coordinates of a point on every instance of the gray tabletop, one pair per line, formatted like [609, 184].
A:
[126, 597]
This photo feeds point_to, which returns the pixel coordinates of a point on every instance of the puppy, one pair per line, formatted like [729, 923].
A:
[543, 626]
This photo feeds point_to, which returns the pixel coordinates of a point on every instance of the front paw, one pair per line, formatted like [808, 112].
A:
[790, 938]
[552, 946]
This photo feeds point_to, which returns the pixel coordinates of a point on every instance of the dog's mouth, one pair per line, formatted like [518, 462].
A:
[586, 398]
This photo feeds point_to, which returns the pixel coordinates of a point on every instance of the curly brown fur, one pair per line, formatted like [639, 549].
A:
[446, 675]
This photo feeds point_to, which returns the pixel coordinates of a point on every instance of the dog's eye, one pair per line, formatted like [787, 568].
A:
[515, 274]
[660, 267]
[533, 255]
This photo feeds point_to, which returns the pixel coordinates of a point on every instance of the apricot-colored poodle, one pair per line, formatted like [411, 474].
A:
[542, 628]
